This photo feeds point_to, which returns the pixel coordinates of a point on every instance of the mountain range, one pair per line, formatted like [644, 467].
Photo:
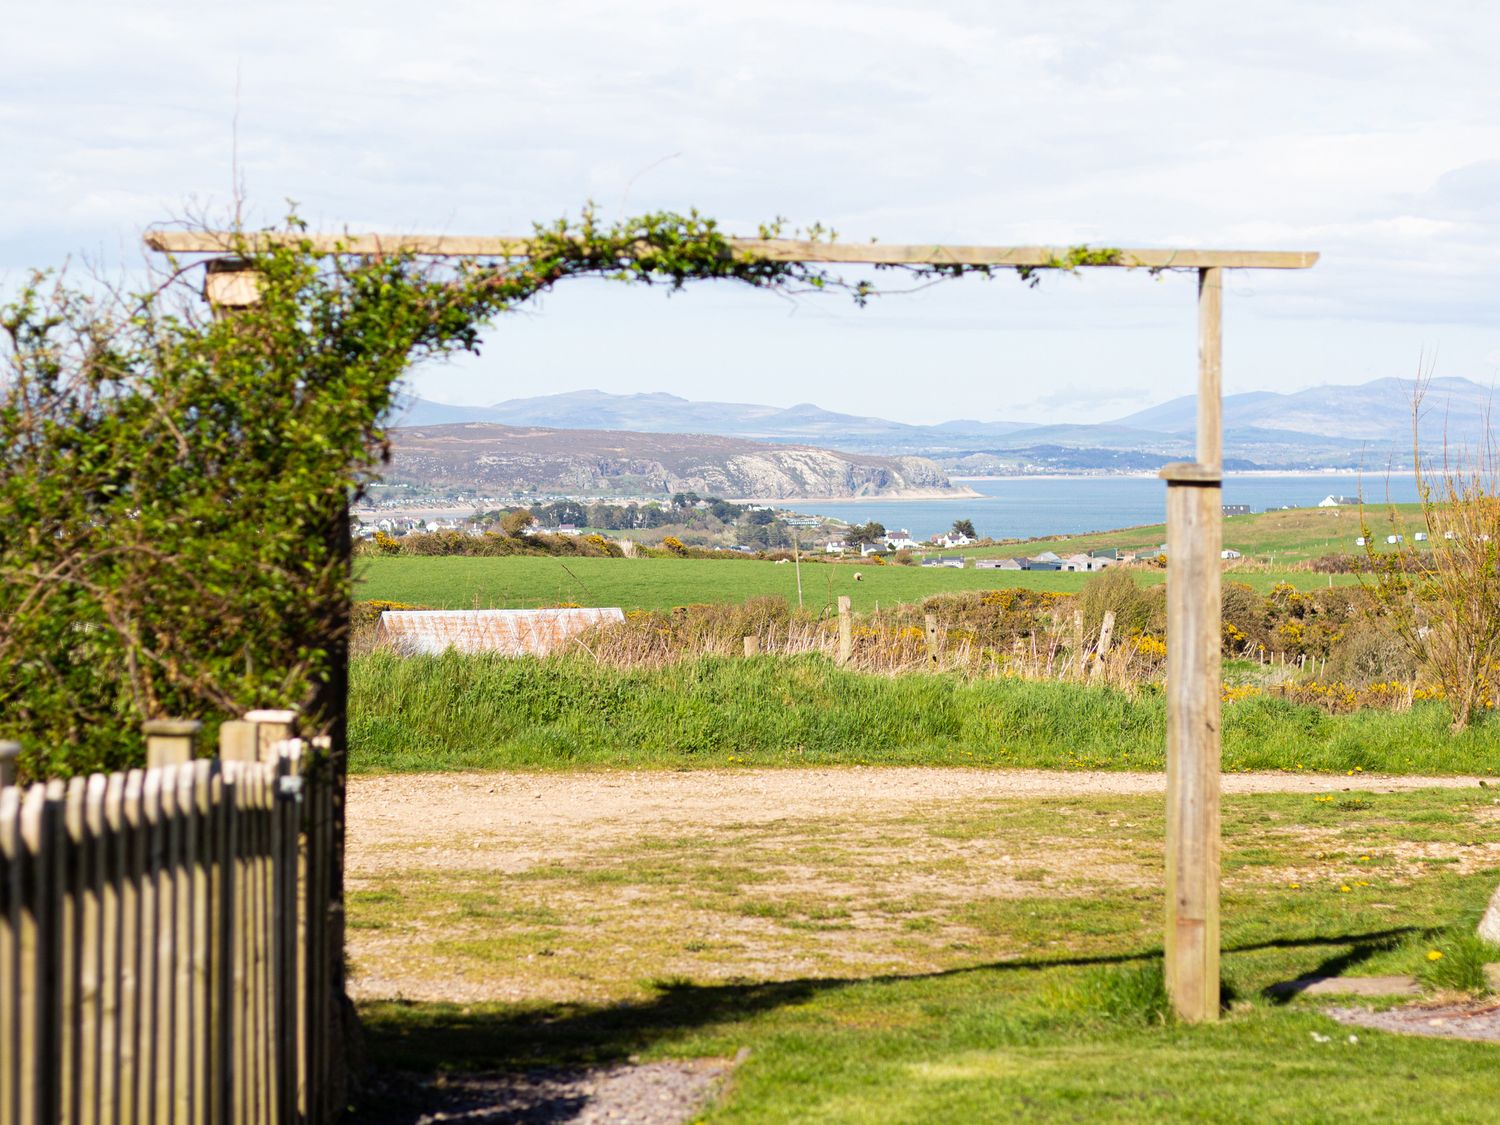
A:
[1321, 427]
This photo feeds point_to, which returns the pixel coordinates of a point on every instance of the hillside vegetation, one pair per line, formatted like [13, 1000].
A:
[479, 712]
[1284, 539]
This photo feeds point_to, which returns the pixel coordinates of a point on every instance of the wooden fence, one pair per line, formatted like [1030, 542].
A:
[164, 938]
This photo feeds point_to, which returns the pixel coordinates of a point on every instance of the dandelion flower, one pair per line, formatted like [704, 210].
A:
[1434, 955]
[1343, 886]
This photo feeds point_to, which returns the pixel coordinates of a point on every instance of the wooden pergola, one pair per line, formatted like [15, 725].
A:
[1194, 523]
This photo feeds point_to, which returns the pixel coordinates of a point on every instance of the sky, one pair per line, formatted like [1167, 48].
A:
[1369, 133]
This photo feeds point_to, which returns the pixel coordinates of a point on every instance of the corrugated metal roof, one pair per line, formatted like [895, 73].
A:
[512, 632]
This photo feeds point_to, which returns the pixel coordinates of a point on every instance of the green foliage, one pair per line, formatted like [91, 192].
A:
[1455, 961]
[1137, 610]
[965, 527]
[1129, 994]
[173, 486]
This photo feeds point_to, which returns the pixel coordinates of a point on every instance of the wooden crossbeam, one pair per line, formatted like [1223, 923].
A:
[775, 249]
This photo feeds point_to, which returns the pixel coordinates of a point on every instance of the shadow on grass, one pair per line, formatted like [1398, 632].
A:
[1364, 947]
[443, 1037]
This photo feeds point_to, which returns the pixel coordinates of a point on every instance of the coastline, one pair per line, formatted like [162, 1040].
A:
[1146, 474]
[884, 497]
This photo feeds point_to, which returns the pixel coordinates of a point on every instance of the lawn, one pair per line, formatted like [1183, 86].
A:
[488, 712]
[956, 961]
[525, 582]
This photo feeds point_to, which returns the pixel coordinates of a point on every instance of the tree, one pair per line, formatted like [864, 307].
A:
[173, 484]
[864, 533]
[515, 522]
[965, 527]
[1443, 600]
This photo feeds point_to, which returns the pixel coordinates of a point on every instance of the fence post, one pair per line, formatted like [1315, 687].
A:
[846, 631]
[8, 753]
[1077, 656]
[1106, 639]
[930, 631]
[170, 742]
[271, 727]
[237, 741]
[752, 646]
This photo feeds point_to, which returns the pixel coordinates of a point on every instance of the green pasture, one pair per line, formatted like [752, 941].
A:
[525, 582]
[1004, 968]
[1274, 538]
[455, 712]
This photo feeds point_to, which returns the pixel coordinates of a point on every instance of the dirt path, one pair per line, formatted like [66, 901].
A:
[387, 809]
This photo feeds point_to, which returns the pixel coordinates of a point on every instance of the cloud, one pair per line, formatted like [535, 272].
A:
[1373, 140]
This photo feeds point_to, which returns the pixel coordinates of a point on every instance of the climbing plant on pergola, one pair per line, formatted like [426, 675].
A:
[1193, 499]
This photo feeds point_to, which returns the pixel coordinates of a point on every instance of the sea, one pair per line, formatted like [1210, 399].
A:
[1034, 507]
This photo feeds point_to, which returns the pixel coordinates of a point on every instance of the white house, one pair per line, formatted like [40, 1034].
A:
[900, 541]
[1395, 539]
[1339, 502]
[1229, 553]
[1420, 537]
[954, 561]
[1361, 542]
[951, 540]
[834, 548]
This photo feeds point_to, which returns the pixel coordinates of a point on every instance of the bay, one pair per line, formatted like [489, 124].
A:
[1030, 507]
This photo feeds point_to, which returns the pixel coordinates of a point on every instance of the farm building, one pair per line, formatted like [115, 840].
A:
[954, 561]
[510, 632]
[998, 564]
[1236, 509]
[1085, 563]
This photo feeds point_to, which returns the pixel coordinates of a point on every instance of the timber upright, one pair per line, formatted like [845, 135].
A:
[1194, 535]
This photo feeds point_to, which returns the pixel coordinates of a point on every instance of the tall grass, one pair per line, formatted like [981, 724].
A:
[462, 712]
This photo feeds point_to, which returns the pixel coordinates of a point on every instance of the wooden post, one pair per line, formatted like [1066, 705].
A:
[271, 727]
[797, 564]
[1210, 368]
[8, 753]
[237, 741]
[752, 646]
[1106, 639]
[846, 631]
[930, 631]
[170, 742]
[1194, 625]
[1076, 657]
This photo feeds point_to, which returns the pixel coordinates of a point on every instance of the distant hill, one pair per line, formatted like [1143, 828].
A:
[670, 414]
[1378, 411]
[1322, 427]
[513, 459]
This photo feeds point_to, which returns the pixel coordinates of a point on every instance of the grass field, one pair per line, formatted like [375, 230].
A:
[478, 712]
[1264, 538]
[937, 964]
[528, 582]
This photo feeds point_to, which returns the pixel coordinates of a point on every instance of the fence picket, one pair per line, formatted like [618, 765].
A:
[149, 862]
[10, 973]
[127, 826]
[102, 816]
